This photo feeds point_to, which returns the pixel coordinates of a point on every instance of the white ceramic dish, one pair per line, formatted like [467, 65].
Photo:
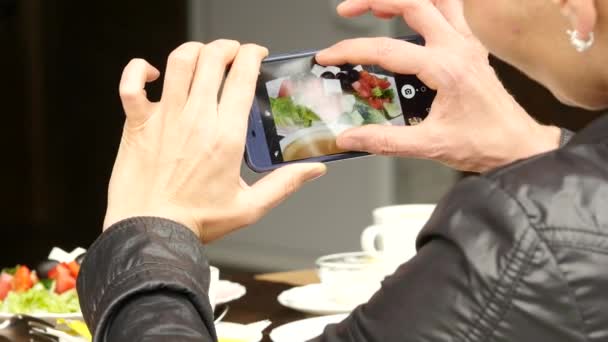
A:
[240, 332]
[304, 330]
[312, 299]
[228, 291]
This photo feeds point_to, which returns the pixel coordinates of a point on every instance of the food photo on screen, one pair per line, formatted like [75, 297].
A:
[311, 109]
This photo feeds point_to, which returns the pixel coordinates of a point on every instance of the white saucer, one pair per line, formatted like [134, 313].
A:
[312, 299]
[235, 331]
[304, 330]
[228, 291]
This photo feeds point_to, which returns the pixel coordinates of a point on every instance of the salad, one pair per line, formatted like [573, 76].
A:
[347, 95]
[50, 288]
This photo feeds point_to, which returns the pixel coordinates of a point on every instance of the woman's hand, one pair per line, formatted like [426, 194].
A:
[180, 158]
[474, 124]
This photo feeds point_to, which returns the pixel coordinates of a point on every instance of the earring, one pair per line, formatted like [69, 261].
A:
[579, 44]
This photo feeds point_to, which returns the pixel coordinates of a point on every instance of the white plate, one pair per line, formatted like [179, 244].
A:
[304, 330]
[227, 291]
[312, 299]
[49, 317]
[238, 332]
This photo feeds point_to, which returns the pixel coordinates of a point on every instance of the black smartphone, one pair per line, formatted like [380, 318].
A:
[300, 107]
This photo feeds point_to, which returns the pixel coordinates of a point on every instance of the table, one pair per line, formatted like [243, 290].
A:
[260, 302]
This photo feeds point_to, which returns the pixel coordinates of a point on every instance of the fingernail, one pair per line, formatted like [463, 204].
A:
[322, 53]
[317, 172]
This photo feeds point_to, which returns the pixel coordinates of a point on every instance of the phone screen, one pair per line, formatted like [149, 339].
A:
[304, 106]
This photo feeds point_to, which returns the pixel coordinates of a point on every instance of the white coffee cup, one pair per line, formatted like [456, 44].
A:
[402, 213]
[350, 278]
[393, 236]
[214, 280]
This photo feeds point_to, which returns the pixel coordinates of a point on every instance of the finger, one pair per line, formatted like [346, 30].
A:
[403, 141]
[273, 189]
[178, 77]
[392, 54]
[210, 71]
[239, 90]
[421, 15]
[453, 11]
[132, 90]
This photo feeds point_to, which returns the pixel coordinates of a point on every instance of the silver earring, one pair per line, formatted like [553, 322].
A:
[579, 44]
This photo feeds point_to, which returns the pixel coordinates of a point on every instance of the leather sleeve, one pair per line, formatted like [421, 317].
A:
[146, 279]
[459, 287]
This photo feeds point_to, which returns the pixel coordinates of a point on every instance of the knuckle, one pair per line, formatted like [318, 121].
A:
[186, 53]
[227, 44]
[253, 49]
[411, 6]
[127, 94]
[253, 213]
[384, 46]
[136, 63]
[384, 145]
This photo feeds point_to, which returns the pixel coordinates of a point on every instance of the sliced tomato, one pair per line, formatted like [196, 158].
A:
[59, 271]
[286, 89]
[375, 103]
[22, 280]
[6, 285]
[5, 288]
[362, 89]
[74, 268]
[6, 278]
[384, 84]
[64, 283]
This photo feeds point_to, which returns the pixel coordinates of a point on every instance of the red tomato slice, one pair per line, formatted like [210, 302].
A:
[74, 268]
[64, 283]
[362, 89]
[375, 103]
[22, 280]
[286, 89]
[58, 271]
[5, 288]
[384, 84]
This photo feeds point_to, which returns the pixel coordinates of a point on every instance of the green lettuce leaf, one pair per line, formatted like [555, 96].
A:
[286, 113]
[40, 300]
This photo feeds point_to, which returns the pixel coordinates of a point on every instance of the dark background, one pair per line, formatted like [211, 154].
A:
[61, 115]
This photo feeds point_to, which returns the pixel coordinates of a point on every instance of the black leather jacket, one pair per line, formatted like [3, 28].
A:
[519, 254]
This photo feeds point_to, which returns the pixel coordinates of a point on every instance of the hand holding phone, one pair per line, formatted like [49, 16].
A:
[474, 123]
[301, 107]
[180, 158]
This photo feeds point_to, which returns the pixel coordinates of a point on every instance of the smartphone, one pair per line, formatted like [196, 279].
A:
[300, 107]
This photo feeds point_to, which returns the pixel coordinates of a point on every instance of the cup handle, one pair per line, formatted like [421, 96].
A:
[368, 240]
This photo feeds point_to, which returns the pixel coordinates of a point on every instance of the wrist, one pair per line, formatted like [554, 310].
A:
[112, 217]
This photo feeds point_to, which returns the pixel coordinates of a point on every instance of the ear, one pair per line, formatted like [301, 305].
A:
[582, 15]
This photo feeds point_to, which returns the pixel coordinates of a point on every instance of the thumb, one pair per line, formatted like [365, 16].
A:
[273, 189]
[132, 90]
[403, 141]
